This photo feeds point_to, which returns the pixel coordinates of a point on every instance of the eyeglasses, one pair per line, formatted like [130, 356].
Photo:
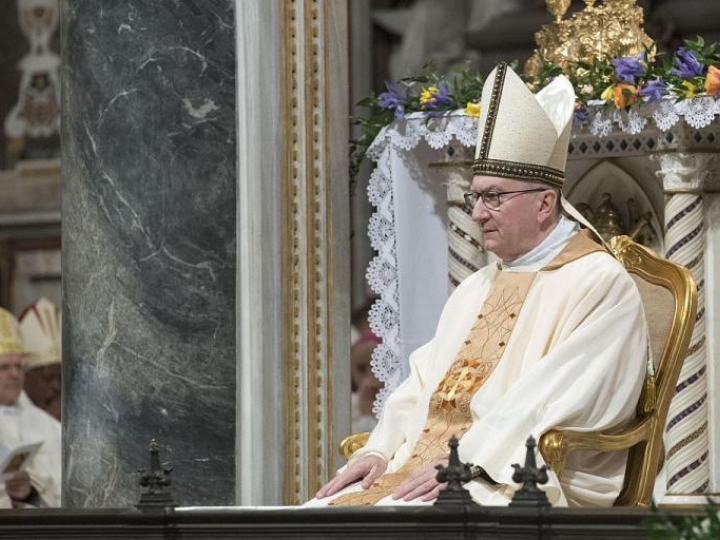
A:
[491, 199]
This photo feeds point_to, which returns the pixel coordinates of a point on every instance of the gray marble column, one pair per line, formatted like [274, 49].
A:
[149, 247]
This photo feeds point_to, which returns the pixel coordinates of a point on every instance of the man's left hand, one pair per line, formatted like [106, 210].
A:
[421, 484]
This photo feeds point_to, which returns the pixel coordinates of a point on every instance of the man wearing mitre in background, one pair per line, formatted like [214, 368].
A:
[551, 336]
[23, 423]
[40, 329]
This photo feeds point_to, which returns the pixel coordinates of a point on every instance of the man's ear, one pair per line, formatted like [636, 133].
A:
[548, 201]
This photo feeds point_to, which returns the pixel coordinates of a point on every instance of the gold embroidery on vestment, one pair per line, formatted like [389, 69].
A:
[449, 411]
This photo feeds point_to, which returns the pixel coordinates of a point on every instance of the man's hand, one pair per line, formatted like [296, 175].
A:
[369, 469]
[421, 484]
[18, 487]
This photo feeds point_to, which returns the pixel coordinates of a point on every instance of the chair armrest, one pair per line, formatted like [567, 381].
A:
[353, 443]
[555, 444]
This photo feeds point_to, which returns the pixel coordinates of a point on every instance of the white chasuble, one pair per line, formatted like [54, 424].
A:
[575, 358]
[23, 424]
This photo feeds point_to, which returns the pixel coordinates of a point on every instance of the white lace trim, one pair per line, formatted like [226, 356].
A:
[382, 275]
[698, 112]
[438, 132]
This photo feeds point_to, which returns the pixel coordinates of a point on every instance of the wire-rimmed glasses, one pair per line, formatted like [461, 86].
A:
[492, 199]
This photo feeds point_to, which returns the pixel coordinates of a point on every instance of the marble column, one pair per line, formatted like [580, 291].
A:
[688, 181]
[149, 247]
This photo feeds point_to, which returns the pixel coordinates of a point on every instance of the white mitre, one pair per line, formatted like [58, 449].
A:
[525, 136]
[40, 330]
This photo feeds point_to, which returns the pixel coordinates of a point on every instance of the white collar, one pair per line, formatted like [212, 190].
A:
[545, 251]
[8, 410]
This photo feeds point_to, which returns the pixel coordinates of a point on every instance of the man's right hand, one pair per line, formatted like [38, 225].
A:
[18, 487]
[369, 469]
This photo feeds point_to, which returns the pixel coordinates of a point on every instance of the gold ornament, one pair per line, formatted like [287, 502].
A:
[607, 219]
[610, 30]
[558, 8]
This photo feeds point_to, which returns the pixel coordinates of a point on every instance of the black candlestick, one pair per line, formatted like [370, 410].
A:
[455, 474]
[530, 476]
[155, 481]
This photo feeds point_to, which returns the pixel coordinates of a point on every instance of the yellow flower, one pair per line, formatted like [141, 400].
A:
[607, 94]
[712, 82]
[427, 94]
[624, 95]
[472, 109]
[690, 89]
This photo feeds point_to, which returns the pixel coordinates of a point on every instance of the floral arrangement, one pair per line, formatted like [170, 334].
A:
[659, 527]
[693, 70]
[427, 92]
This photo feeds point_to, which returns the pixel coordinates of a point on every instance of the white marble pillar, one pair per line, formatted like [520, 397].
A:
[293, 247]
[691, 239]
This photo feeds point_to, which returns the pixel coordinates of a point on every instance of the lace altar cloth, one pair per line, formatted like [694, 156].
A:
[404, 235]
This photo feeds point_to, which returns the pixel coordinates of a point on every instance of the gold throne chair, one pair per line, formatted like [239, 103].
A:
[669, 297]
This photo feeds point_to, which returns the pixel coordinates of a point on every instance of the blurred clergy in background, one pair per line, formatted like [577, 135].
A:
[40, 331]
[22, 423]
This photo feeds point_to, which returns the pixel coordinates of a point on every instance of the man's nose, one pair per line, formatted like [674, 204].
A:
[16, 371]
[480, 212]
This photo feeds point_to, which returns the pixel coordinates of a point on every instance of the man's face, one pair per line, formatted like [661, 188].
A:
[42, 386]
[11, 378]
[514, 228]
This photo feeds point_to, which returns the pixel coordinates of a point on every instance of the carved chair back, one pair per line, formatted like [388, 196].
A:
[669, 297]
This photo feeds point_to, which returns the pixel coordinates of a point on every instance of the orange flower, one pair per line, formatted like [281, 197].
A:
[624, 95]
[712, 82]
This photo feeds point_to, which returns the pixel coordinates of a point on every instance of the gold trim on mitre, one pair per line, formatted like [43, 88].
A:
[519, 171]
[10, 340]
[522, 135]
[40, 330]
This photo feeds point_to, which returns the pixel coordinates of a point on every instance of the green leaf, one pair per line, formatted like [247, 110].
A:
[367, 102]
[422, 79]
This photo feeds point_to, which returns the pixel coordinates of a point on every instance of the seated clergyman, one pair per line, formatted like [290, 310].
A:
[551, 336]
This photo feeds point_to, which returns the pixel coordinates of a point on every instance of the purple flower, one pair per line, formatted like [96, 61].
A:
[627, 68]
[687, 65]
[434, 97]
[580, 115]
[653, 90]
[392, 100]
